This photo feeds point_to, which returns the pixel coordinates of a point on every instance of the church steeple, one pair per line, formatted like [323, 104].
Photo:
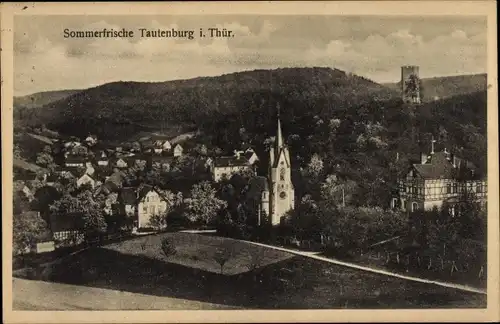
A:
[279, 135]
[280, 182]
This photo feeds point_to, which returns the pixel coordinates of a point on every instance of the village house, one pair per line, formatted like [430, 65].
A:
[69, 145]
[65, 231]
[178, 150]
[86, 179]
[439, 178]
[102, 158]
[89, 168]
[75, 161]
[251, 156]
[226, 166]
[121, 163]
[91, 140]
[149, 202]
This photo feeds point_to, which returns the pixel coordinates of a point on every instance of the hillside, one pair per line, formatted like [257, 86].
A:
[39, 99]
[356, 126]
[448, 86]
[125, 108]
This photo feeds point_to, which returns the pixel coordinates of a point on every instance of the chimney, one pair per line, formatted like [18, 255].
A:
[423, 158]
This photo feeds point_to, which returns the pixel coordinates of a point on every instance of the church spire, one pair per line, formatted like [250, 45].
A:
[279, 135]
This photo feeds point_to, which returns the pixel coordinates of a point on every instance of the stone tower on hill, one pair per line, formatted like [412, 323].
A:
[410, 84]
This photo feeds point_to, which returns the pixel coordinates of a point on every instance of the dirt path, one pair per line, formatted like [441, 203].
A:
[41, 295]
[314, 255]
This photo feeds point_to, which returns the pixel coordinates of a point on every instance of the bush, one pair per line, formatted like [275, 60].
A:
[168, 248]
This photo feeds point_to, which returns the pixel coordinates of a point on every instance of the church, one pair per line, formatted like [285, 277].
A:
[277, 194]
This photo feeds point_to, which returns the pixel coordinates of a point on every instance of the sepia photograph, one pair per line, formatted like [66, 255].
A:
[245, 161]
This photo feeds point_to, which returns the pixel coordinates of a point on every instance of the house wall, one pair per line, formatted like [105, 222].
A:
[178, 151]
[218, 172]
[121, 164]
[167, 146]
[85, 180]
[151, 204]
[430, 193]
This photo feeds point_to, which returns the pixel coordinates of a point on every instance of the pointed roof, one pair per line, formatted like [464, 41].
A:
[279, 135]
[279, 144]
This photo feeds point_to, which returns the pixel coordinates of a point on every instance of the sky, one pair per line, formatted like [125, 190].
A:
[371, 46]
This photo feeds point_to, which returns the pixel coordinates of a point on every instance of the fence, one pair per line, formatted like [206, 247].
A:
[429, 265]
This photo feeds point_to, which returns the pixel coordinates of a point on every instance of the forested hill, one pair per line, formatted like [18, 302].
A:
[121, 108]
[448, 86]
[39, 99]
[357, 127]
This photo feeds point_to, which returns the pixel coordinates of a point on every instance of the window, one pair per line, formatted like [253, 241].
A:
[152, 209]
[479, 187]
[448, 188]
[414, 206]
[282, 174]
[451, 210]
[145, 210]
[455, 188]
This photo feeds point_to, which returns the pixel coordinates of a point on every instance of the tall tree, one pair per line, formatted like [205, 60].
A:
[203, 205]
[28, 228]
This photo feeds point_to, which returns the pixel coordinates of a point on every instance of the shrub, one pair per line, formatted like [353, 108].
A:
[168, 248]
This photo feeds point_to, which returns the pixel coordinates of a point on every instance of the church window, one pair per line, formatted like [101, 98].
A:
[282, 174]
[414, 206]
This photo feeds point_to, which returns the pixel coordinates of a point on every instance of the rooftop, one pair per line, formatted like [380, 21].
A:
[225, 161]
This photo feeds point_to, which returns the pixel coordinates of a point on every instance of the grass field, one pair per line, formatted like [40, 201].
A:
[283, 281]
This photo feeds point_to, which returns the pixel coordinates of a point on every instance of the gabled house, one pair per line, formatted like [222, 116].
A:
[102, 158]
[251, 156]
[178, 150]
[71, 144]
[161, 142]
[149, 202]
[121, 163]
[86, 179]
[439, 178]
[226, 166]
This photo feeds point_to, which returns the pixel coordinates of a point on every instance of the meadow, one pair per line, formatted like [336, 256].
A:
[252, 278]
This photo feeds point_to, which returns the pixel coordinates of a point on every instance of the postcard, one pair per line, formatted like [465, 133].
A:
[250, 162]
